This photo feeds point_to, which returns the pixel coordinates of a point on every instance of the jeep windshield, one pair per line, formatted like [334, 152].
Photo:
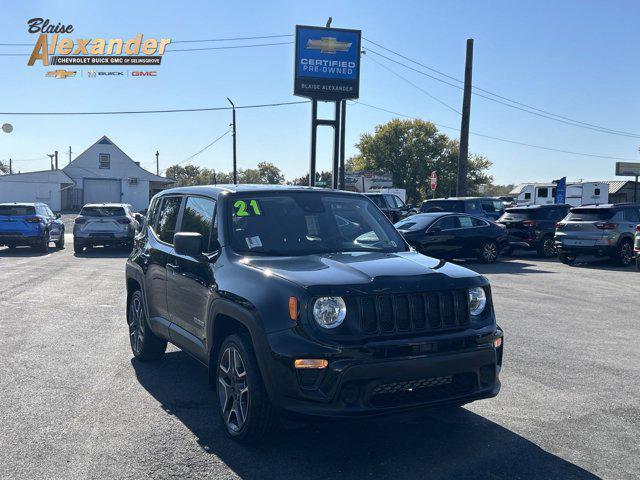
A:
[303, 223]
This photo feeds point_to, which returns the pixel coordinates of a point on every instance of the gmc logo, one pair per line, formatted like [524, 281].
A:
[144, 74]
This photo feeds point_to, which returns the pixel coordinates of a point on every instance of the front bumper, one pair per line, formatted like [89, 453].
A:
[384, 377]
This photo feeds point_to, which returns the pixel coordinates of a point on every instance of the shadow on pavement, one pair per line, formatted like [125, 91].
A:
[103, 252]
[444, 444]
[25, 252]
[511, 267]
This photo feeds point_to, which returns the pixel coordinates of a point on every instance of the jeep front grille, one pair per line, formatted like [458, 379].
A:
[397, 314]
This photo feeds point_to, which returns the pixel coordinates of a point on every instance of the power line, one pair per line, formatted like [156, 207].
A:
[231, 39]
[199, 151]
[170, 110]
[545, 113]
[227, 47]
[414, 85]
[506, 140]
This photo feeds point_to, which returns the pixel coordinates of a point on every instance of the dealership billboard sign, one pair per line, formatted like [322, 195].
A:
[327, 63]
[627, 169]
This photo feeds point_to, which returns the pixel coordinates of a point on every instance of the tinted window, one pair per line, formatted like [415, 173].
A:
[103, 212]
[198, 217]
[448, 223]
[465, 221]
[478, 223]
[167, 218]
[415, 222]
[398, 200]
[443, 206]
[301, 223]
[590, 214]
[378, 200]
[519, 214]
[16, 210]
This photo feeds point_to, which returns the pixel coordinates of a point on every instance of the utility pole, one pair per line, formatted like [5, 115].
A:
[69, 153]
[463, 159]
[233, 134]
[51, 155]
[56, 157]
[10, 167]
[157, 163]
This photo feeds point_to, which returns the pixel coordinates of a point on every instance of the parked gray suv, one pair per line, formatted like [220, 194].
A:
[107, 224]
[603, 230]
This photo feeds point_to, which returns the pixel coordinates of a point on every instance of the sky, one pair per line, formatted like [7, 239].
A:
[577, 59]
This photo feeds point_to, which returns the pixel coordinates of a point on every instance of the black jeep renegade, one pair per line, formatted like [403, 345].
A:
[306, 302]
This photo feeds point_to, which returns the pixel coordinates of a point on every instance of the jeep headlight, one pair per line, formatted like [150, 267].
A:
[329, 312]
[477, 301]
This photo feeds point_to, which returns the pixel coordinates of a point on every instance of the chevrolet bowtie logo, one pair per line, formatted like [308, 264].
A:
[60, 74]
[328, 45]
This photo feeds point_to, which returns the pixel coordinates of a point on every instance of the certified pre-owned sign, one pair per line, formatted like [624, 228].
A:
[327, 63]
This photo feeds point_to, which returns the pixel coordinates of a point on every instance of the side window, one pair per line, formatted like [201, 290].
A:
[465, 221]
[40, 210]
[168, 218]
[487, 206]
[473, 207]
[198, 217]
[378, 200]
[543, 192]
[391, 202]
[476, 222]
[448, 223]
[527, 196]
[398, 200]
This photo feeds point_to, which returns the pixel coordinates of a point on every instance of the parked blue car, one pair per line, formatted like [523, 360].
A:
[31, 224]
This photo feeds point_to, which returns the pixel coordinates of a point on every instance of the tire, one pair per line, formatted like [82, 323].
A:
[243, 404]
[488, 252]
[77, 248]
[60, 243]
[43, 246]
[567, 258]
[547, 248]
[145, 345]
[624, 254]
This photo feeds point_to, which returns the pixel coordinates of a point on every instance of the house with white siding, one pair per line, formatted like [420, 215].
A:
[102, 173]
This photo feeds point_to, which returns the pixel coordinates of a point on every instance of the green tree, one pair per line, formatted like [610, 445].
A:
[410, 150]
[185, 175]
[324, 177]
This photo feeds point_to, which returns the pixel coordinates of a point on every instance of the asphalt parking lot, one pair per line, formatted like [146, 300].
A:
[74, 404]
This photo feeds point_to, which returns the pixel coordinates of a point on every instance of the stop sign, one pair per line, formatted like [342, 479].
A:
[434, 180]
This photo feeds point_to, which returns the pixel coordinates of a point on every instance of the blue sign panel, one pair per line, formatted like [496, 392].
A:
[561, 190]
[327, 63]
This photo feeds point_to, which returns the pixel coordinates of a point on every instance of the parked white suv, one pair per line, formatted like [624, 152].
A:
[106, 224]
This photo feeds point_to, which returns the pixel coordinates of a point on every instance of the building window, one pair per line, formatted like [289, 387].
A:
[596, 192]
[104, 161]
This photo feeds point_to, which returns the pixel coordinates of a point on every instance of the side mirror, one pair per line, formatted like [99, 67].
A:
[139, 217]
[57, 215]
[188, 243]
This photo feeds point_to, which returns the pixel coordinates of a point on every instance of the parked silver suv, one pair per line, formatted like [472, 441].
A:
[107, 224]
[598, 230]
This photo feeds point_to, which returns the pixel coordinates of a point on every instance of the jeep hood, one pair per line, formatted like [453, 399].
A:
[367, 272]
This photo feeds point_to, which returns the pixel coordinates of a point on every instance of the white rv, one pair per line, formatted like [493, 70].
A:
[578, 193]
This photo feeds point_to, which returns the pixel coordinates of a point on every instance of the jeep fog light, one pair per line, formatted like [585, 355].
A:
[477, 300]
[329, 312]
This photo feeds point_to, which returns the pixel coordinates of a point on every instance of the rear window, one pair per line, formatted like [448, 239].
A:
[103, 212]
[443, 206]
[16, 210]
[415, 222]
[590, 214]
[520, 214]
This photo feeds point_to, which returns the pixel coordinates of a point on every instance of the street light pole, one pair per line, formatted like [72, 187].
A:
[233, 134]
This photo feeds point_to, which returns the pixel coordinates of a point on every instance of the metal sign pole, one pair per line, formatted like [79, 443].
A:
[343, 119]
[336, 147]
[314, 127]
